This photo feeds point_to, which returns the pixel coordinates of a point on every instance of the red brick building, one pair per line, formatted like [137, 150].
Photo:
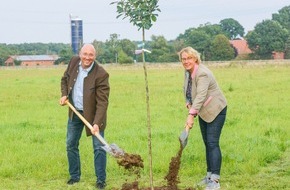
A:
[31, 60]
[278, 55]
[241, 46]
[243, 49]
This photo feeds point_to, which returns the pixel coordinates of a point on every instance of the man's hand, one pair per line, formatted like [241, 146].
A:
[62, 100]
[95, 129]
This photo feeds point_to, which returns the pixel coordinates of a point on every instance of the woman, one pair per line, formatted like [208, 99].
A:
[204, 99]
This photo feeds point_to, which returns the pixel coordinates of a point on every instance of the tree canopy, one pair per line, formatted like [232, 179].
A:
[221, 49]
[141, 13]
[268, 36]
[283, 17]
[232, 28]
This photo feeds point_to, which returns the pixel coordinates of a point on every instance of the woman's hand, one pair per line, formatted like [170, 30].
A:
[190, 121]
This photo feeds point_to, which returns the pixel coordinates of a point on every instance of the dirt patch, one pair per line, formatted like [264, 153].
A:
[131, 186]
[129, 161]
[134, 163]
[172, 175]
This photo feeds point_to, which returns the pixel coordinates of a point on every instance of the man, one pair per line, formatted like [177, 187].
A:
[86, 85]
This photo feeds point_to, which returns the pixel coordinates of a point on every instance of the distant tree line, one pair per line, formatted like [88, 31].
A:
[211, 40]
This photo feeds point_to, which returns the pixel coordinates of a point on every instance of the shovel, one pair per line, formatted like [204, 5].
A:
[184, 136]
[112, 149]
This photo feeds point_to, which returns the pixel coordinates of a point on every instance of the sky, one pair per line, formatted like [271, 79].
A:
[48, 21]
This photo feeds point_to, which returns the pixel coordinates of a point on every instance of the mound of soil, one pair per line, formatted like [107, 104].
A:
[130, 162]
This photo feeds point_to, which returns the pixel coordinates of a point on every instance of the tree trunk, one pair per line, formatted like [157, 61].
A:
[148, 111]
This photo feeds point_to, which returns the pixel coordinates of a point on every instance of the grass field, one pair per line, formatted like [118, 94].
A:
[255, 140]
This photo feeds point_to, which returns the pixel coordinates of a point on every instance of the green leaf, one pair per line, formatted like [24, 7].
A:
[153, 17]
[141, 13]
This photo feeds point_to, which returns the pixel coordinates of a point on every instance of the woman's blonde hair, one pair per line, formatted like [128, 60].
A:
[190, 51]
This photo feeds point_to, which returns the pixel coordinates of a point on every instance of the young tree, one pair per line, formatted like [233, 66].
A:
[142, 13]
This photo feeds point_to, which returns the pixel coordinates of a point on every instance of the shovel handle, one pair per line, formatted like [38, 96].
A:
[187, 128]
[86, 123]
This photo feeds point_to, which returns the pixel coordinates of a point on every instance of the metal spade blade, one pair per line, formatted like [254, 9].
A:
[183, 138]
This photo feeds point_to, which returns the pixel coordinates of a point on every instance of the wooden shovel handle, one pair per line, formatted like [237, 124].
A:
[86, 122]
[79, 115]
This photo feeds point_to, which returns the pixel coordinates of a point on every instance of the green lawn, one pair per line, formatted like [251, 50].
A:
[255, 140]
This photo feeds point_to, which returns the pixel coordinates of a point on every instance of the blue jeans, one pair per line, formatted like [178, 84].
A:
[211, 135]
[74, 132]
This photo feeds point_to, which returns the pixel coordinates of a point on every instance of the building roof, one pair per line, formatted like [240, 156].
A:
[241, 46]
[35, 57]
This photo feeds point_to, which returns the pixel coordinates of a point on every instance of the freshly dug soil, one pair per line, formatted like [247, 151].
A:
[172, 175]
[131, 186]
[131, 161]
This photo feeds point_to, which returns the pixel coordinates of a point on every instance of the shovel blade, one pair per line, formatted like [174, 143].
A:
[183, 138]
[114, 150]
